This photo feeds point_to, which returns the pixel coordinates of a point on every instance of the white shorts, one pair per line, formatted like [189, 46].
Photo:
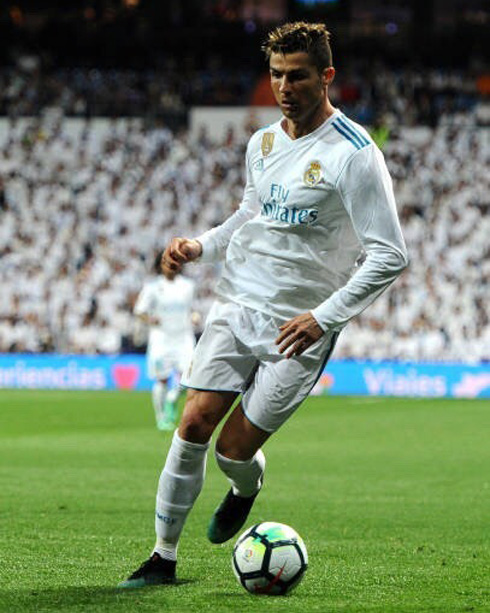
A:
[164, 360]
[237, 352]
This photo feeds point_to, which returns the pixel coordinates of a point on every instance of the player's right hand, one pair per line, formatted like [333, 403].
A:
[179, 252]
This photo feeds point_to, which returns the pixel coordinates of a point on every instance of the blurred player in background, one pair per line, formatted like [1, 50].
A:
[318, 197]
[165, 306]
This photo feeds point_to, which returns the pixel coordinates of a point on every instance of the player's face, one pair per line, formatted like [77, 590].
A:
[300, 90]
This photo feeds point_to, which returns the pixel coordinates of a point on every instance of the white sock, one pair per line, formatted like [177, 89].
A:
[245, 477]
[179, 485]
[158, 396]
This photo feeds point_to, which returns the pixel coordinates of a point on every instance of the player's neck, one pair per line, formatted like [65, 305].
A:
[297, 129]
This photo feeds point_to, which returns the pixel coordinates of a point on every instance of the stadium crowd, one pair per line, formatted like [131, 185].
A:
[83, 211]
[417, 96]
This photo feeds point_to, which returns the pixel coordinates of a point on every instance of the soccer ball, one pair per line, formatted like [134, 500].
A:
[269, 558]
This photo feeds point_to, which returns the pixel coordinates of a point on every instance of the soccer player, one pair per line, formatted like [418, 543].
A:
[318, 201]
[165, 305]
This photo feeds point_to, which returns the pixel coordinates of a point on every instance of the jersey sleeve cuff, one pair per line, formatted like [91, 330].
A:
[324, 319]
[317, 315]
[209, 251]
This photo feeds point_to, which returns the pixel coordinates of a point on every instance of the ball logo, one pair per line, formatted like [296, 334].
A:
[269, 558]
[313, 174]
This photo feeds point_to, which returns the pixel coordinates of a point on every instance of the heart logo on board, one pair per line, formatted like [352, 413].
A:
[125, 376]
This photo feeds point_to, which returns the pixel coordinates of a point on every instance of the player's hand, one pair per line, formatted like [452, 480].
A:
[179, 252]
[298, 334]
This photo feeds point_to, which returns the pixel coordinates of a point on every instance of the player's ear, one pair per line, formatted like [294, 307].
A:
[328, 75]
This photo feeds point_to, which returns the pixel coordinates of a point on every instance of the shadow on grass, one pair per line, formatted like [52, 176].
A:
[90, 598]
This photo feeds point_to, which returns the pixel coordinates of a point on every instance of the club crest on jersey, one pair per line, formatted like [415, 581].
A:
[267, 143]
[313, 174]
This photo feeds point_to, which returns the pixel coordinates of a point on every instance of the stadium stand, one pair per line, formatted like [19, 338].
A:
[84, 204]
[418, 96]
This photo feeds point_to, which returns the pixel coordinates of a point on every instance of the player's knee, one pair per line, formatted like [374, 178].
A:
[194, 429]
[197, 423]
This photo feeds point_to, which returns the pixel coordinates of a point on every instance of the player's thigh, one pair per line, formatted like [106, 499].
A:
[203, 411]
[280, 385]
[221, 362]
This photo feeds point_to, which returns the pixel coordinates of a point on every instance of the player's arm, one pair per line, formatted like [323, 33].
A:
[211, 246]
[214, 242]
[367, 194]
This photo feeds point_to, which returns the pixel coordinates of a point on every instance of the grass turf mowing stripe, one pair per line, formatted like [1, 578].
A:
[390, 495]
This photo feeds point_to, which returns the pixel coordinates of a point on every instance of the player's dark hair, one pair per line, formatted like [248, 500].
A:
[312, 38]
[157, 262]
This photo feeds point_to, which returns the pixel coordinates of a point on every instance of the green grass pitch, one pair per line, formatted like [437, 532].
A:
[392, 497]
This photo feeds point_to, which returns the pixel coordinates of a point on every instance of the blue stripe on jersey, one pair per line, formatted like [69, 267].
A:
[349, 126]
[346, 134]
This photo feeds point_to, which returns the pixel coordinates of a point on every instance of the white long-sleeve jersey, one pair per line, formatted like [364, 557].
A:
[312, 207]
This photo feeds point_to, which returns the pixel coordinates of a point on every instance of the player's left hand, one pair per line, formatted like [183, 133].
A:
[298, 334]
